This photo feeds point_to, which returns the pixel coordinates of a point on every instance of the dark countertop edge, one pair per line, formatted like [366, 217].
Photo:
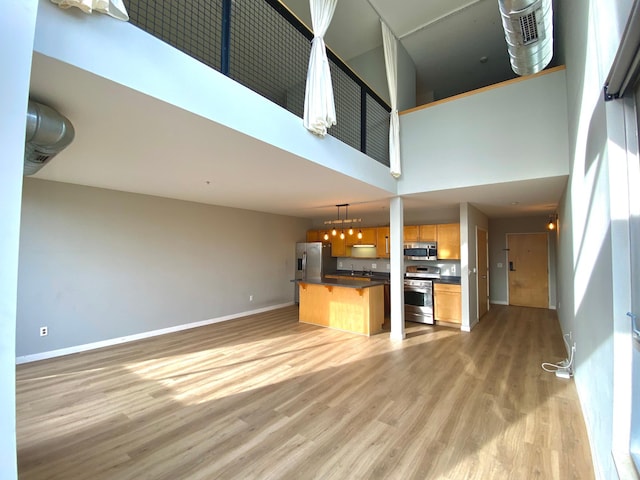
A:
[335, 282]
[449, 280]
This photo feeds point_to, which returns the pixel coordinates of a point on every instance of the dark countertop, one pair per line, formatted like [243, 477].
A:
[336, 282]
[449, 280]
[376, 276]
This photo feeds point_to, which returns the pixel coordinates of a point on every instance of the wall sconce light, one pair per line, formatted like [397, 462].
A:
[551, 225]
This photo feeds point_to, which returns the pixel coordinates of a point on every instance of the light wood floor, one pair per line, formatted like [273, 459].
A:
[266, 397]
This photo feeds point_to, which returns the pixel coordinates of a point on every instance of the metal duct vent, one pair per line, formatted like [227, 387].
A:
[48, 133]
[528, 28]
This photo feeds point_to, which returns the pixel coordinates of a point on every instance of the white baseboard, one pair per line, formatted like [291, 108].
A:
[498, 302]
[139, 336]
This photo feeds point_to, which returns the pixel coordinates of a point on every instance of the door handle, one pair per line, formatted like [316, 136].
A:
[634, 326]
[511, 269]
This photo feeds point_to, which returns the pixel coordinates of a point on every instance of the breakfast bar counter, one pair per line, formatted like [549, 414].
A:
[350, 305]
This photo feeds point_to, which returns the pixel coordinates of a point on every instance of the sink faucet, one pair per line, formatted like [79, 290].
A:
[352, 272]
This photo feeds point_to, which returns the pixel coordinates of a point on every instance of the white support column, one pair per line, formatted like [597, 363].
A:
[17, 32]
[396, 220]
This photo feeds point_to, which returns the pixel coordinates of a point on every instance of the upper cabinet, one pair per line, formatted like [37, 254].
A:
[419, 233]
[338, 246]
[368, 237]
[428, 233]
[448, 236]
[383, 245]
[317, 236]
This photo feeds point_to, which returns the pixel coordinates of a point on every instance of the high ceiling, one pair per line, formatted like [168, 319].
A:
[446, 39]
[128, 141]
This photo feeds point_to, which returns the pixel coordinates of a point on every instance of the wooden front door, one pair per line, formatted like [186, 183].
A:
[483, 271]
[528, 270]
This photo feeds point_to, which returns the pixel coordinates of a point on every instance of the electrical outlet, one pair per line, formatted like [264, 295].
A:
[374, 266]
[388, 266]
[251, 298]
[339, 264]
[453, 269]
[44, 331]
[499, 265]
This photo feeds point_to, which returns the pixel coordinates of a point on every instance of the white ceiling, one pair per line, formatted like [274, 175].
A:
[130, 142]
[445, 39]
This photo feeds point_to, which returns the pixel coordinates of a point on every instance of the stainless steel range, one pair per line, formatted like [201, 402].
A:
[418, 293]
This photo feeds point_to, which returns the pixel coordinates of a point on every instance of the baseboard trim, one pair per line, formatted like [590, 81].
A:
[498, 302]
[139, 336]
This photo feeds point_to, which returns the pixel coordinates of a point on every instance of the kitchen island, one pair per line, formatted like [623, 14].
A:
[355, 306]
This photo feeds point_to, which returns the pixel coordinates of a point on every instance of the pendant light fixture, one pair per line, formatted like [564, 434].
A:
[342, 221]
[350, 231]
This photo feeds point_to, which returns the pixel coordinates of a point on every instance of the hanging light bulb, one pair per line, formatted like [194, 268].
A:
[359, 234]
[326, 236]
[350, 232]
[342, 235]
[551, 225]
[334, 232]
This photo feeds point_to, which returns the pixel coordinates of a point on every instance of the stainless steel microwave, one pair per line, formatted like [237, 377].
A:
[421, 251]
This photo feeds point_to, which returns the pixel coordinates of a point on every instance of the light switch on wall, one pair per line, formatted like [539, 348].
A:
[499, 265]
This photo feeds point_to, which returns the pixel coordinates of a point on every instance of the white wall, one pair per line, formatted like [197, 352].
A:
[470, 218]
[98, 264]
[370, 66]
[592, 275]
[17, 29]
[499, 228]
[515, 132]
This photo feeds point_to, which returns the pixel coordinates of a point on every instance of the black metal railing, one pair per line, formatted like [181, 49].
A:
[261, 45]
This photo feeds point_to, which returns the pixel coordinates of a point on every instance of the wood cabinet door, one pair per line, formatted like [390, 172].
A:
[411, 233]
[447, 303]
[383, 242]
[338, 246]
[313, 236]
[368, 237]
[449, 241]
[428, 233]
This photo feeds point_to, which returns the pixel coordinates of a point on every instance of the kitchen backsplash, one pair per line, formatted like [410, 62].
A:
[449, 268]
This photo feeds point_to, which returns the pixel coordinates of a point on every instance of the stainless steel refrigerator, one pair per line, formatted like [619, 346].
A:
[313, 261]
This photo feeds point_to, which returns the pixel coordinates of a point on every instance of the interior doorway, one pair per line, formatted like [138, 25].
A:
[528, 261]
[482, 261]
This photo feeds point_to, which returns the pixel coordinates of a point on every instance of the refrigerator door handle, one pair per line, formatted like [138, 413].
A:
[304, 265]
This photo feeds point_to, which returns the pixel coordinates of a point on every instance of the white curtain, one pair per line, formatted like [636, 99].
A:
[114, 8]
[390, 43]
[319, 108]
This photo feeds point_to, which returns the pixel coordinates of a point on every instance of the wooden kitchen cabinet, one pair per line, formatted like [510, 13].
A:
[368, 237]
[317, 236]
[448, 236]
[420, 233]
[338, 246]
[447, 302]
[427, 233]
[383, 242]
[411, 233]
